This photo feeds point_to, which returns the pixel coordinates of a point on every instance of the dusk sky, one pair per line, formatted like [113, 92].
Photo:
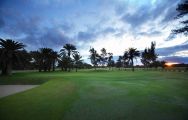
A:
[113, 24]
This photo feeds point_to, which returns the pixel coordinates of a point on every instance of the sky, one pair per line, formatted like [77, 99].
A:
[112, 24]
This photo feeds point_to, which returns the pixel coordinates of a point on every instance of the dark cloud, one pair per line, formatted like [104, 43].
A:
[33, 32]
[86, 36]
[170, 50]
[17, 24]
[143, 14]
[177, 59]
[91, 34]
[52, 38]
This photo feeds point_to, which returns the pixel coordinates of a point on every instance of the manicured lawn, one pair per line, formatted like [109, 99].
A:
[98, 95]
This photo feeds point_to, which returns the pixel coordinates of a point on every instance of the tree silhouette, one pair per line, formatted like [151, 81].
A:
[119, 62]
[145, 58]
[46, 58]
[149, 56]
[55, 57]
[133, 54]
[163, 64]
[94, 57]
[110, 60]
[37, 60]
[77, 59]
[125, 59]
[9, 53]
[103, 57]
[183, 11]
[64, 62]
[24, 61]
[69, 49]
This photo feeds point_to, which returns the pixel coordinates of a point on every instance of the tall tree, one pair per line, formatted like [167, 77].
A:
[64, 61]
[94, 57]
[55, 57]
[145, 58]
[182, 8]
[69, 49]
[46, 58]
[23, 62]
[37, 60]
[125, 59]
[133, 54]
[110, 60]
[119, 62]
[103, 57]
[77, 59]
[149, 56]
[9, 53]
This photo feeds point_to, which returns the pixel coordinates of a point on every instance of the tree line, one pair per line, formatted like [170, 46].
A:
[148, 57]
[14, 56]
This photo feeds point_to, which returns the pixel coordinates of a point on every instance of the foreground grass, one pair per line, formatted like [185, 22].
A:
[98, 95]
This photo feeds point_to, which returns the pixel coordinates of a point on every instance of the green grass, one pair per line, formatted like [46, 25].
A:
[98, 95]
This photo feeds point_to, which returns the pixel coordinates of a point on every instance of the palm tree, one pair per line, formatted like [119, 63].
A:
[46, 58]
[149, 56]
[37, 60]
[133, 54]
[9, 53]
[77, 59]
[94, 57]
[103, 57]
[110, 60]
[119, 62]
[125, 59]
[69, 49]
[54, 56]
[145, 58]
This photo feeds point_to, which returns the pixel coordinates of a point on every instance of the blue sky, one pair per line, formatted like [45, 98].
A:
[113, 24]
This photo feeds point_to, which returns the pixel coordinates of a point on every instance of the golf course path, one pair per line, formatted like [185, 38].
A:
[6, 90]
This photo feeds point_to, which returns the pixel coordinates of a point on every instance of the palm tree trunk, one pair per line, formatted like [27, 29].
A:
[9, 68]
[4, 69]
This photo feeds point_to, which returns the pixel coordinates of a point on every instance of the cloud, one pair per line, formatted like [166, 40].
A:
[152, 33]
[164, 10]
[176, 59]
[51, 37]
[86, 36]
[171, 50]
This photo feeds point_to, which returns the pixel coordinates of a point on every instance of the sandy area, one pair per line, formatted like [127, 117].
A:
[6, 90]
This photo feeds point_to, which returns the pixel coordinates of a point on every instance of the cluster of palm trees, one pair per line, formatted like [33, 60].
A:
[12, 54]
[106, 59]
[44, 59]
[103, 59]
[148, 58]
